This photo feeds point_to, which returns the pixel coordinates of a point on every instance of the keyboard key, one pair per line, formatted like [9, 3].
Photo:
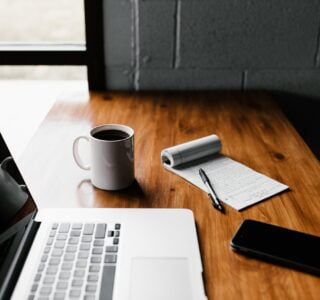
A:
[92, 288]
[77, 282]
[62, 236]
[95, 259]
[64, 228]
[34, 288]
[94, 268]
[71, 248]
[83, 254]
[52, 270]
[75, 233]
[88, 229]
[41, 267]
[73, 240]
[50, 241]
[45, 290]
[110, 233]
[32, 297]
[117, 233]
[64, 275]
[115, 241]
[59, 296]
[84, 246]
[57, 252]
[97, 250]
[67, 266]
[46, 250]
[48, 280]
[89, 297]
[69, 257]
[117, 226]
[112, 249]
[54, 261]
[44, 258]
[81, 263]
[37, 277]
[100, 231]
[107, 282]
[77, 226]
[110, 259]
[59, 244]
[93, 278]
[79, 273]
[54, 226]
[75, 293]
[62, 285]
[98, 243]
[52, 233]
[86, 239]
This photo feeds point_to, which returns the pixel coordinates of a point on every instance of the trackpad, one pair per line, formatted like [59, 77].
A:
[160, 278]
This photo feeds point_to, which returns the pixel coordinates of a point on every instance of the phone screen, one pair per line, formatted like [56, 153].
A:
[278, 244]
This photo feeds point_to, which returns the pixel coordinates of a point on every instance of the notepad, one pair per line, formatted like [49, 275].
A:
[236, 184]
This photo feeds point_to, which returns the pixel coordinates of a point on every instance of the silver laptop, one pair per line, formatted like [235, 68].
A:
[110, 254]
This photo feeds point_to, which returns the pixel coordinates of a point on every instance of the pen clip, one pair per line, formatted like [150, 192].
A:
[214, 204]
[212, 200]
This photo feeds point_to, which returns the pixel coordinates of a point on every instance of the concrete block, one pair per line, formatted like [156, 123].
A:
[249, 34]
[300, 82]
[189, 79]
[119, 78]
[118, 32]
[156, 33]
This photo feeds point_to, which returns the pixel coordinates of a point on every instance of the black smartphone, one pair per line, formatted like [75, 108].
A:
[279, 245]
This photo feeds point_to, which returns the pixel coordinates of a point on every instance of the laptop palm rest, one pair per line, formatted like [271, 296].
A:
[160, 278]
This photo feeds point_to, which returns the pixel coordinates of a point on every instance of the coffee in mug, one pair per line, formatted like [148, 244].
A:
[110, 135]
[111, 156]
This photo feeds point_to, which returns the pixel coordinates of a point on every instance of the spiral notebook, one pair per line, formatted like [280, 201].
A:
[236, 184]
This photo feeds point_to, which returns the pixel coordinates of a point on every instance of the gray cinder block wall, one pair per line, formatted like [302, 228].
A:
[213, 44]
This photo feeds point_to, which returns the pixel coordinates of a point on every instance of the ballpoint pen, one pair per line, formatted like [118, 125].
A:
[211, 193]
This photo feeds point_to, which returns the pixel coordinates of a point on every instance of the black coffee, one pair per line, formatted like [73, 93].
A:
[110, 135]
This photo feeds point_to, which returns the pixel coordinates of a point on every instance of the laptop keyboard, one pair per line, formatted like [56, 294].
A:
[76, 260]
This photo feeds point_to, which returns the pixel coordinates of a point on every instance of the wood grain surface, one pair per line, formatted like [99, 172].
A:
[253, 131]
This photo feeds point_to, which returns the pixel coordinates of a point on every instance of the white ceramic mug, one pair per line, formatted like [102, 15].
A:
[111, 156]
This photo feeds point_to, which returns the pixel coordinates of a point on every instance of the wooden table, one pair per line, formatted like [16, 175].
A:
[253, 131]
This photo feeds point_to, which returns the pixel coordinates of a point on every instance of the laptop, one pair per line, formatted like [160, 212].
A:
[110, 254]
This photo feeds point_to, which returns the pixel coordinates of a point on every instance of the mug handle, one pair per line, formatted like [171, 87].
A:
[5, 162]
[76, 155]
[3, 166]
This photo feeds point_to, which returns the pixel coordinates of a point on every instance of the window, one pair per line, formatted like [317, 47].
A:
[46, 32]
[42, 21]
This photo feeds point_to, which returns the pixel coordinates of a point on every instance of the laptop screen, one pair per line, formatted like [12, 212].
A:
[16, 203]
